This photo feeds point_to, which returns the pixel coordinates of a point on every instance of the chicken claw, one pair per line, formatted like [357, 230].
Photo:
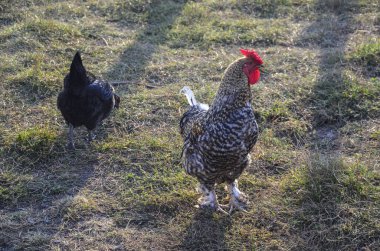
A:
[236, 204]
[238, 200]
[209, 200]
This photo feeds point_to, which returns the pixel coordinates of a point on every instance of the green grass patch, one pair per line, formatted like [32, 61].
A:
[331, 199]
[330, 179]
[13, 187]
[279, 111]
[32, 146]
[78, 207]
[204, 28]
[367, 54]
[65, 11]
[162, 186]
[35, 139]
[362, 99]
[131, 10]
[45, 31]
[265, 8]
[38, 80]
[375, 135]
[344, 98]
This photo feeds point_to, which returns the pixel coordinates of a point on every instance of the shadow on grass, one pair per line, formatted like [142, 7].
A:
[330, 32]
[332, 206]
[34, 220]
[35, 199]
[328, 205]
[132, 62]
[338, 97]
[206, 232]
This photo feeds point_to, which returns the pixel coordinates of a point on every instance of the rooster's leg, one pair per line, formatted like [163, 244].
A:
[208, 199]
[238, 200]
[91, 136]
[70, 144]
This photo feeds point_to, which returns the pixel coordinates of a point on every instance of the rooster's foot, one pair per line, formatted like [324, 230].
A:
[236, 204]
[206, 204]
[238, 200]
[209, 200]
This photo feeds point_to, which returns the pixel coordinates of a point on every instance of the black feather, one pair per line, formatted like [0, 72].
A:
[85, 100]
[77, 78]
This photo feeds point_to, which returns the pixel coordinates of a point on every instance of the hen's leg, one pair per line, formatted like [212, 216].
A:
[70, 143]
[238, 200]
[91, 136]
[208, 198]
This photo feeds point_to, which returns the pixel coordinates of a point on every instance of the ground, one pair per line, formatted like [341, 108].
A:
[314, 180]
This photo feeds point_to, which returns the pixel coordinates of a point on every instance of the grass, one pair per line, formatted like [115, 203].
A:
[13, 187]
[368, 57]
[336, 202]
[314, 180]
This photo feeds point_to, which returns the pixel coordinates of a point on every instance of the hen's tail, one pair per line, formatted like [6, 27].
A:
[191, 98]
[77, 78]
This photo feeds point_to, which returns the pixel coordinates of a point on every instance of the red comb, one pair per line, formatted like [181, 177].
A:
[252, 54]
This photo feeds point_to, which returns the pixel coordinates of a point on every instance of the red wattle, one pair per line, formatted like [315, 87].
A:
[254, 76]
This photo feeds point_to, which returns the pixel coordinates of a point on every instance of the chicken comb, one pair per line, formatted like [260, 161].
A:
[252, 54]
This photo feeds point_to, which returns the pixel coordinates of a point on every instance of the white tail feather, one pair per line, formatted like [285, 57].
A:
[189, 95]
[191, 98]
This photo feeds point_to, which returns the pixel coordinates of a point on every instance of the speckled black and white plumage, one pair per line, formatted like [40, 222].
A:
[217, 142]
[85, 100]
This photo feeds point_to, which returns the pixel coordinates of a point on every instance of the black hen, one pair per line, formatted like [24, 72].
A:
[85, 100]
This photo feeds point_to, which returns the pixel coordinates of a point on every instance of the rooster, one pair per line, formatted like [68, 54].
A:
[219, 138]
[85, 100]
